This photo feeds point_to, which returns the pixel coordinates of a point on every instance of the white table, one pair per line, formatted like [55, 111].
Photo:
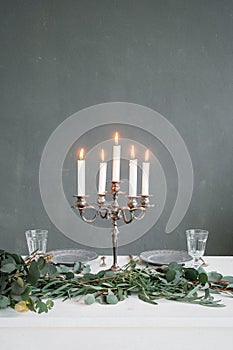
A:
[131, 324]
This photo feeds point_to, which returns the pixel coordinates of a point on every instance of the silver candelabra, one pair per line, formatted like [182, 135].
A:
[112, 210]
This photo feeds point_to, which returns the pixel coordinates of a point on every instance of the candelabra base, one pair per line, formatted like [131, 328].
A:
[114, 268]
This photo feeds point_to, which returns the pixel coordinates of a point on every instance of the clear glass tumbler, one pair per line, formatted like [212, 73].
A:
[196, 242]
[36, 240]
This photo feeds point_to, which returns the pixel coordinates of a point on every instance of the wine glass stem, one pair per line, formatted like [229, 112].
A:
[196, 262]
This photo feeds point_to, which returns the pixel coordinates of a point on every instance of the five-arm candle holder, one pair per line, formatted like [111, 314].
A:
[112, 210]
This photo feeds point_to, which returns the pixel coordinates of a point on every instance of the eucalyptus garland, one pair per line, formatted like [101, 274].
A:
[33, 283]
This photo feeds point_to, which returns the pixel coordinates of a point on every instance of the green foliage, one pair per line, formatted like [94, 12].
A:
[17, 280]
[203, 278]
[8, 267]
[33, 273]
[25, 285]
[214, 276]
[111, 298]
[228, 278]
[4, 302]
[89, 299]
[40, 306]
[191, 274]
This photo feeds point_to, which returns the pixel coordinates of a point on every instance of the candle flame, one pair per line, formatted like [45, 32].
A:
[102, 155]
[132, 152]
[147, 155]
[81, 154]
[116, 138]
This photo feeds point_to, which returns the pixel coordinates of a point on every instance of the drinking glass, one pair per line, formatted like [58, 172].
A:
[36, 240]
[196, 241]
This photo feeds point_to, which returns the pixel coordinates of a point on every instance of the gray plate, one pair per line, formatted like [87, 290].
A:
[71, 256]
[165, 257]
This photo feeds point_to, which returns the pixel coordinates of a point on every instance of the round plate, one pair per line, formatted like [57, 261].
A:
[71, 256]
[165, 257]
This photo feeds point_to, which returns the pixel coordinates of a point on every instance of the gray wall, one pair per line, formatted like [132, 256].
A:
[58, 57]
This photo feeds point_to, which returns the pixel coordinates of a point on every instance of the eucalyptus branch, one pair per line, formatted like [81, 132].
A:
[25, 284]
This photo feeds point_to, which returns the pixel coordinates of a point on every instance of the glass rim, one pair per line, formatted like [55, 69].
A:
[196, 231]
[36, 231]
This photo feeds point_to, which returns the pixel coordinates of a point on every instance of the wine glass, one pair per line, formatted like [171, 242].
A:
[196, 242]
[36, 240]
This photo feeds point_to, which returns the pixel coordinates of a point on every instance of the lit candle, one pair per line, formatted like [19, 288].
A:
[145, 174]
[102, 174]
[116, 160]
[81, 174]
[133, 174]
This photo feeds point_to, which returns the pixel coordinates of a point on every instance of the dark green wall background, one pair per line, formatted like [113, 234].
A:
[174, 56]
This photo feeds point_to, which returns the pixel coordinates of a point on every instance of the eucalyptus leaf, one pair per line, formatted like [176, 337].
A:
[111, 298]
[108, 284]
[203, 278]
[89, 276]
[33, 273]
[50, 284]
[175, 266]
[228, 278]
[201, 270]
[18, 259]
[89, 299]
[8, 259]
[48, 269]
[214, 276]
[170, 275]
[191, 274]
[86, 269]
[20, 282]
[63, 269]
[8, 267]
[120, 294]
[26, 293]
[69, 275]
[41, 307]
[95, 288]
[4, 302]
[3, 284]
[49, 304]
[41, 263]
[101, 273]
[16, 288]
[109, 274]
[101, 299]
[147, 299]
[31, 304]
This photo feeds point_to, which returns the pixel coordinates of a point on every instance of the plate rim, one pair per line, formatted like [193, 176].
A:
[66, 251]
[164, 250]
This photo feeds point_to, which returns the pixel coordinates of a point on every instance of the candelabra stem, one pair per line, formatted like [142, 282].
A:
[115, 267]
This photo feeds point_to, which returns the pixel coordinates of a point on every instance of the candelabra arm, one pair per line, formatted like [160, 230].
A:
[81, 212]
[81, 205]
[141, 215]
[104, 213]
[124, 216]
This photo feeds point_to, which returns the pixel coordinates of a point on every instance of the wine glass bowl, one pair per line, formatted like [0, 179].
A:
[196, 242]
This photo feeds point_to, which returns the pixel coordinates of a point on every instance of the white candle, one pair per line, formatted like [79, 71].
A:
[145, 174]
[81, 174]
[102, 174]
[133, 163]
[116, 156]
